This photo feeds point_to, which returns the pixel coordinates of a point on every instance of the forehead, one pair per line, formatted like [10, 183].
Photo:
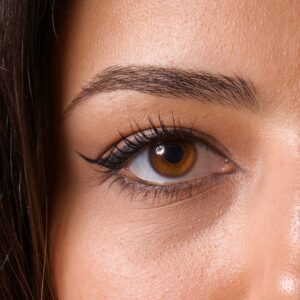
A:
[257, 39]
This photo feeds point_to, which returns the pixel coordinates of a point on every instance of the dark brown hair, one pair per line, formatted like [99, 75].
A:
[25, 33]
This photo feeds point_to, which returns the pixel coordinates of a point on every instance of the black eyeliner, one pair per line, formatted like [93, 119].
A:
[115, 158]
[118, 155]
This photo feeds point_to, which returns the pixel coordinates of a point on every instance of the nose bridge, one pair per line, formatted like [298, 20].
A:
[293, 228]
[287, 269]
[290, 268]
[277, 270]
[289, 211]
[277, 275]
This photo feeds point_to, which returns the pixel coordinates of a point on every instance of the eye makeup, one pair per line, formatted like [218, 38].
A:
[115, 163]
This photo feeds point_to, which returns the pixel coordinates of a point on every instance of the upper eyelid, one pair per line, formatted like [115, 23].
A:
[204, 138]
[201, 136]
[191, 135]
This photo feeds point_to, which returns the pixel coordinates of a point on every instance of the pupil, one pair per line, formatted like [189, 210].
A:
[173, 153]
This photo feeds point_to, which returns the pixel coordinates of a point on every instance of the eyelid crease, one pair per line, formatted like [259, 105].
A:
[165, 195]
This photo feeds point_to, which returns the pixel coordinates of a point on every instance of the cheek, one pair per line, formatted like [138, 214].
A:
[103, 253]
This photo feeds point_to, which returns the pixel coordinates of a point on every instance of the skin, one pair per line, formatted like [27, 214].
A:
[238, 239]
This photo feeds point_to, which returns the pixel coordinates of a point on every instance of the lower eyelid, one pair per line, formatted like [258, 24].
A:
[161, 195]
[155, 195]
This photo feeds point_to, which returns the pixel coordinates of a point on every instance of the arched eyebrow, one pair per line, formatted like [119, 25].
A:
[217, 89]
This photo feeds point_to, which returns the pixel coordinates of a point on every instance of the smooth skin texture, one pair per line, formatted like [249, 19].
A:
[238, 238]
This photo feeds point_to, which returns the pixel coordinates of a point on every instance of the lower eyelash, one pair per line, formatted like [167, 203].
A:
[161, 195]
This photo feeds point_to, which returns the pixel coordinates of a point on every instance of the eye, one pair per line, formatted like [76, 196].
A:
[165, 163]
[173, 161]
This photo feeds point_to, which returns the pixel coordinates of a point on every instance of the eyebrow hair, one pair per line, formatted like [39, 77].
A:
[207, 87]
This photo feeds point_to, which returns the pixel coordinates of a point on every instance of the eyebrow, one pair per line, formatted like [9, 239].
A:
[217, 89]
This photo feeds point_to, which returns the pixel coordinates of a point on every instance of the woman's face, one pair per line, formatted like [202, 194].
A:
[177, 170]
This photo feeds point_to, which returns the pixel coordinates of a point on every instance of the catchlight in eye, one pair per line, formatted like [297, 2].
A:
[172, 158]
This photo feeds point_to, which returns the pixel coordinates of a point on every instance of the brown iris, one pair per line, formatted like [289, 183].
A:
[172, 158]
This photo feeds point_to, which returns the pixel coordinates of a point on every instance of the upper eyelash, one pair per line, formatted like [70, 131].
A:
[115, 158]
[133, 144]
